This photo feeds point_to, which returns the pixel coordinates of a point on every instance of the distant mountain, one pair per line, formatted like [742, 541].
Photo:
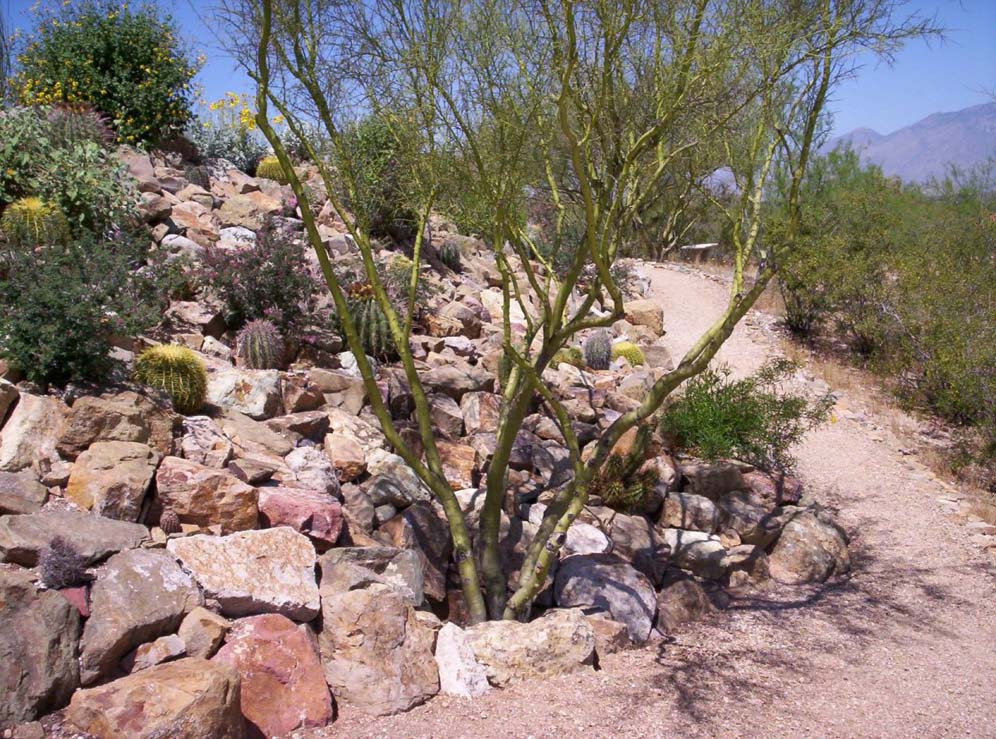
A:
[925, 149]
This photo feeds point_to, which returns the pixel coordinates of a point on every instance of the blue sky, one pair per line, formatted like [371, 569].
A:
[925, 78]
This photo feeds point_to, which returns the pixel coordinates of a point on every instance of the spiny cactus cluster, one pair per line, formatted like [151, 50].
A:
[60, 565]
[259, 345]
[621, 483]
[270, 169]
[598, 350]
[198, 174]
[178, 371]
[76, 123]
[31, 222]
[630, 352]
[449, 255]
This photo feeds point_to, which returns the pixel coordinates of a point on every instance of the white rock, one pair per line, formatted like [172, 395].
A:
[459, 671]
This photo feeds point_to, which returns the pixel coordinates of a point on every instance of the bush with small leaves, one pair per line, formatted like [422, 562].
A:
[31, 222]
[598, 350]
[259, 345]
[269, 168]
[178, 371]
[628, 351]
[60, 565]
[449, 255]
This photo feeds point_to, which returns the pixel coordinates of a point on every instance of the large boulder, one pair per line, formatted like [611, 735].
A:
[753, 522]
[582, 538]
[635, 539]
[202, 632]
[188, 699]
[139, 595]
[313, 470]
[376, 652]
[125, 416]
[481, 412]
[647, 313]
[111, 478]
[269, 571]
[248, 210]
[459, 671]
[39, 633]
[316, 514]
[206, 496]
[392, 481]
[94, 537]
[560, 642]
[603, 582]
[21, 493]
[711, 479]
[204, 442]
[255, 393]
[688, 511]
[283, 688]
[29, 436]
[456, 380]
[811, 548]
[697, 552]
[681, 602]
[421, 529]
[349, 568]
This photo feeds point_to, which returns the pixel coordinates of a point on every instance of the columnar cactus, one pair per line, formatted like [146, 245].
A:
[629, 351]
[178, 371]
[31, 222]
[259, 345]
[449, 255]
[598, 350]
[269, 168]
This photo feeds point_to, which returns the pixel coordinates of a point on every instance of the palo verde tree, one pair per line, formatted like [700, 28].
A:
[597, 105]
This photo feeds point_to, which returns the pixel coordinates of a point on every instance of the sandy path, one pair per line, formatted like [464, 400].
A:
[905, 647]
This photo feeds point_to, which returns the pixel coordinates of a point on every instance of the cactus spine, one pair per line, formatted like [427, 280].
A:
[178, 371]
[71, 123]
[31, 222]
[259, 345]
[598, 350]
[269, 168]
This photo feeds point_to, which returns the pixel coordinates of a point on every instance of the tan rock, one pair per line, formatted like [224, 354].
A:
[125, 416]
[481, 412]
[28, 438]
[206, 496]
[202, 632]
[461, 464]
[248, 210]
[645, 313]
[111, 478]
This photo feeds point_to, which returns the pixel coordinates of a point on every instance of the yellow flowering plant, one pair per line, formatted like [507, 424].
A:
[226, 129]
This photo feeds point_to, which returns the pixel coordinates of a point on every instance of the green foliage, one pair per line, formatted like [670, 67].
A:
[79, 175]
[269, 279]
[749, 419]
[569, 355]
[259, 345]
[31, 222]
[598, 350]
[178, 371]
[621, 483]
[449, 254]
[62, 304]
[127, 63]
[269, 168]
[628, 351]
[227, 131]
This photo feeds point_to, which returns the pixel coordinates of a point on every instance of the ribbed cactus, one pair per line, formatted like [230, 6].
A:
[259, 345]
[169, 521]
[198, 175]
[629, 351]
[31, 222]
[270, 169]
[449, 255]
[598, 350]
[71, 124]
[178, 371]
[620, 483]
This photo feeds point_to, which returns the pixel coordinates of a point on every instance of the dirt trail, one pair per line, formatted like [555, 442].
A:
[904, 647]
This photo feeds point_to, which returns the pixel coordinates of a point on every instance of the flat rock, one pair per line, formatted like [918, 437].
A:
[28, 438]
[139, 596]
[460, 673]
[95, 537]
[39, 634]
[711, 479]
[645, 313]
[252, 437]
[254, 393]
[125, 416]
[206, 496]
[251, 572]
[21, 493]
[558, 643]
[419, 528]
[282, 684]
[688, 511]
[191, 698]
[111, 478]
[316, 514]
[349, 568]
[697, 552]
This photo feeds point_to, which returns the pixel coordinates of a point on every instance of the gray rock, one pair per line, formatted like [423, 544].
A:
[688, 511]
[204, 443]
[711, 479]
[753, 522]
[681, 602]
[28, 437]
[255, 393]
[95, 537]
[393, 482]
[314, 470]
[349, 568]
[811, 548]
[698, 552]
[21, 493]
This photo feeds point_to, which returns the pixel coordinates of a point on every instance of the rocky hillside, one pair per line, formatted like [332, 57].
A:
[242, 570]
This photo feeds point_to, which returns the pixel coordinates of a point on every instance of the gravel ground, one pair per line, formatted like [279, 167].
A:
[903, 647]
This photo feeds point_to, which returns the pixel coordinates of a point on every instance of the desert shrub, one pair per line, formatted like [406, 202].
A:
[60, 565]
[178, 371]
[64, 302]
[227, 130]
[269, 279]
[749, 419]
[126, 62]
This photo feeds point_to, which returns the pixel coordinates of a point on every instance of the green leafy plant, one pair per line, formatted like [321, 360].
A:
[269, 168]
[449, 254]
[226, 130]
[126, 62]
[259, 345]
[748, 419]
[597, 350]
[31, 222]
[569, 355]
[628, 351]
[178, 371]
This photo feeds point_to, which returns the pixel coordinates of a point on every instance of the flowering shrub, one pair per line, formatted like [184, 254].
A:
[227, 130]
[127, 64]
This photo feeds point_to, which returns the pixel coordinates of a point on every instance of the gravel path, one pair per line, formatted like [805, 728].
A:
[904, 647]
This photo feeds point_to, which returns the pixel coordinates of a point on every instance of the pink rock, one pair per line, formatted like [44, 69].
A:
[773, 489]
[283, 687]
[79, 597]
[314, 514]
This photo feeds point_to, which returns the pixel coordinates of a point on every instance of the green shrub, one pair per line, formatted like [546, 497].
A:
[269, 279]
[259, 345]
[748, 419]
[628, 351]
[127, 63]
[227, 130]
[569, 355]
[178, 371]
[269, 168]
[31, 222]
[598, 350]
[62, 304]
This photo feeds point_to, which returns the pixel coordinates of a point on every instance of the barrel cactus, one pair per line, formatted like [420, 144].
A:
[628, 351]
[371, 322]
[74, 123]
[60, 565]
[270, 169]
[31, 222]
[169, 521]
[259, 345]
[449, 255]
[178, 371]
[598, 350]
